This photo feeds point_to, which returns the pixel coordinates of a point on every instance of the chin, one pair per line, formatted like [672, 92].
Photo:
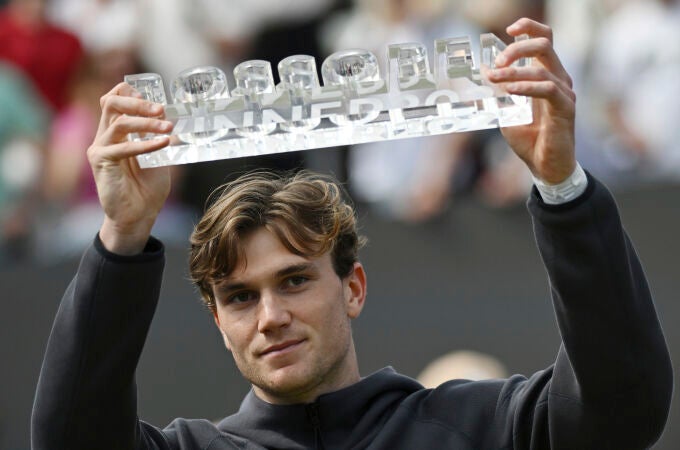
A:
[288, 382]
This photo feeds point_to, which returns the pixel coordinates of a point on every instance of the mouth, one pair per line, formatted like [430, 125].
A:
[282, 348]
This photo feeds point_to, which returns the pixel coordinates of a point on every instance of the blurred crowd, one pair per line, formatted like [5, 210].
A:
[58, 57]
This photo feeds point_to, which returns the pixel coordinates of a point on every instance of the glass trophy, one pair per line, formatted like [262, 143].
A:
[353, 72]
[195, 87]
[299, 80]
[150, 86]
[354, 105]
[254, 79]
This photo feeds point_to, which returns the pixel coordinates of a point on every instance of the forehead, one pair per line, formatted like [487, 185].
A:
[263, 247]
[264, 254]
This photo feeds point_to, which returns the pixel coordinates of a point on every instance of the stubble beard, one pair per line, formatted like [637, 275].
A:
[297, 387]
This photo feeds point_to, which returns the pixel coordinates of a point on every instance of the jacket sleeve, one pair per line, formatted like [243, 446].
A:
[86, 394]
[610, 387]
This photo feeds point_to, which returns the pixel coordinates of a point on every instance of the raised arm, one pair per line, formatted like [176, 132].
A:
[610, 387]
[86, 396]
[131, 197]
[612, 382]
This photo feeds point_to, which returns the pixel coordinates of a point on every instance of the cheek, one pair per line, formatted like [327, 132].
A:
[227, 342]
[233, 332]
[335, 323]
[233, 340]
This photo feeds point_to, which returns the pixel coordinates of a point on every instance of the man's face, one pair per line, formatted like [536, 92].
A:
[286, 320]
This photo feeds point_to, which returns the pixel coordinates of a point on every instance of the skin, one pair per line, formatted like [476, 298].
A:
[287, 320]
[131, 199]
[547, 145]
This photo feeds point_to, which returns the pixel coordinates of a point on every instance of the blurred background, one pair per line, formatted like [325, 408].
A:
[451, 254]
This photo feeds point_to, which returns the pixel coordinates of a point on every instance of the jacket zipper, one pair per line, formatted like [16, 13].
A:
[313, 414]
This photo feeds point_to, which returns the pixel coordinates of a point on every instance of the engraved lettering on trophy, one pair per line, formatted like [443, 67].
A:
[354, 104]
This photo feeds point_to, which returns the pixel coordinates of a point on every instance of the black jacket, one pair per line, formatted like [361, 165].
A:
[609, 388]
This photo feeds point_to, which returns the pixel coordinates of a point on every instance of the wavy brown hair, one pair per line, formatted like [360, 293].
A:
[310, 213]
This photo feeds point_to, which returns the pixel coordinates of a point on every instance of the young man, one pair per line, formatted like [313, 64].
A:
[276, 261]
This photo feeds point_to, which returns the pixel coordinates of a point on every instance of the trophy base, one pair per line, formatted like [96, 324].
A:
[423, 121]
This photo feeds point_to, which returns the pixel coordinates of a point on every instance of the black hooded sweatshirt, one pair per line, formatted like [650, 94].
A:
[609, 388]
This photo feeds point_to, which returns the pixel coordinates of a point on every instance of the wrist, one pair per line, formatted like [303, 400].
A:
[568, 189]
[554, 173]
[128, 240]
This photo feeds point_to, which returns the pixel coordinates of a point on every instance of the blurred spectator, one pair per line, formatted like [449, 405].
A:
[178, 34]
[23, 121]
[413, 179]
[574, 44]
[635, 86]
[237, 31]
[463, 365]
[374, 24]
[396, 177]
[109, 31]
[71, 213]
[49, 55]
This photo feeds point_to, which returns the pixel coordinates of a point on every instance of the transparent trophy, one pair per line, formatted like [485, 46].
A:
[195, 87]
[354, 105]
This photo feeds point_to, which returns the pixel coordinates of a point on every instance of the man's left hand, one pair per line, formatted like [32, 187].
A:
[547, 144]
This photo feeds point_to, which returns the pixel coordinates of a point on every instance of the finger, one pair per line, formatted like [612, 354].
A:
[530, 27]
[119, 90]
[128, 149]
[531, 73]
[539, 48]
[124, 125]
[124, 89]
[124, 99]
[114, 105]
[548, 90]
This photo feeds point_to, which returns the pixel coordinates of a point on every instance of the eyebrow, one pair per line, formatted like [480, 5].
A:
[295, 268]
[286, 271]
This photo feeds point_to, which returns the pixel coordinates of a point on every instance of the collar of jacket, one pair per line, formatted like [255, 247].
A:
[346, 418]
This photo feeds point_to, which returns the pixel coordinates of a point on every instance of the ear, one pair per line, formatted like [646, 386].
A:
[354, 286]
[224, 335]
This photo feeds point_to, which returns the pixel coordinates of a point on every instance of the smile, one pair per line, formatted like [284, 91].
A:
[283, 348]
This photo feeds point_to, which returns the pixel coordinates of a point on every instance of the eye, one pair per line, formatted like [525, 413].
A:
[240, 297]
[295, 281]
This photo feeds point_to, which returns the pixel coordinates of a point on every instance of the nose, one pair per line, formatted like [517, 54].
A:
[272, 313]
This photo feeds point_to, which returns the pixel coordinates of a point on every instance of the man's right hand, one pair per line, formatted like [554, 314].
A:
[131, 197]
